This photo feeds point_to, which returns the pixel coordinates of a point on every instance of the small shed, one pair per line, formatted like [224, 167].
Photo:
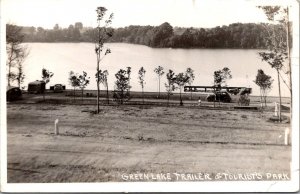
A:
[36, 87]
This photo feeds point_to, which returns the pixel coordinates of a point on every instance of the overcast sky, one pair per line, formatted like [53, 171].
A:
[184, 13]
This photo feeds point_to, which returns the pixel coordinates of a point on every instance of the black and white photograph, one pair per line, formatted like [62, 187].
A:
[149, 95]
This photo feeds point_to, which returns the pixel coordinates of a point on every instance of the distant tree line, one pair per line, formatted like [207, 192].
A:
[236, 35]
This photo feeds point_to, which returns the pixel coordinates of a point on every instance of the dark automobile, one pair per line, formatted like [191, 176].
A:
[219, 96]
[13, 93]
[58, 88]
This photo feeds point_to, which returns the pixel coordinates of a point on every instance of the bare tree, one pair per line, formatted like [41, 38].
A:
[103, 33]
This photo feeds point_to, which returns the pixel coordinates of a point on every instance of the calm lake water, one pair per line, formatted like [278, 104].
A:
[61, 58]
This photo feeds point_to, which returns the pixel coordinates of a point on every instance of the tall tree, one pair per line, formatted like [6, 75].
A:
[46, 76]
[103, 33]
[170, 85]
[278, 45]
[159, 71]
[264, 82]
[16, 53]
[142, 82]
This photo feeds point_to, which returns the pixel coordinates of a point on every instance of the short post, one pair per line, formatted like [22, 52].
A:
[276, 109]
[286, 136]
[56, 129]
[199, 102]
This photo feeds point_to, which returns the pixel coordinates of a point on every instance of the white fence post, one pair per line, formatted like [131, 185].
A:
[276, 109]
[286, 136]
[56, 129]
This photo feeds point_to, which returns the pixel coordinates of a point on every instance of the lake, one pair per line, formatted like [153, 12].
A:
[61, 58]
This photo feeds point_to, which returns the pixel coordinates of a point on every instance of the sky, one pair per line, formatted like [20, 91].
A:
[182, 13]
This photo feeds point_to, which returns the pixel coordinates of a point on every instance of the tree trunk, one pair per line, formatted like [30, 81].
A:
[122, 96]
[143, 94]
[279, 110]
[262, 97]
[215, 97]
[82, 96]
[98, 93]
[289, 59]
[74, 94]
[265, 101]
[181, 103]
[98, 64]
[107, 96]
[158, 86]
[9, 66]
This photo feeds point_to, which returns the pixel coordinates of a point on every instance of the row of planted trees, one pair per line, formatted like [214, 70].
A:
[122, 84]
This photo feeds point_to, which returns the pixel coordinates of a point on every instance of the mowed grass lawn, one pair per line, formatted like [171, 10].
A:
[135, 139]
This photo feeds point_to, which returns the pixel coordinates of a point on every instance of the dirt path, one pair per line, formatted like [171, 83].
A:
[128, 140]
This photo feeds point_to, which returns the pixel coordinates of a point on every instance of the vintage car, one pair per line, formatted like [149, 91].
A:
[58, 88]
[13, 93]
[222, 96]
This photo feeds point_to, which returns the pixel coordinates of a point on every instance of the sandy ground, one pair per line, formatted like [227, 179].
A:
[133, 143]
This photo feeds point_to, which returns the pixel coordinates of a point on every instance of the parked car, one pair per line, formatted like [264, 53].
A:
[13, 93]
[221, 96]
[58, 88]
[36, 87]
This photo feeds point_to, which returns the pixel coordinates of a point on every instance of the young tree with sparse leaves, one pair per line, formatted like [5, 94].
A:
[170, 85]
[278, 46]
[190, 73]
[46, 76]
[221, 77]
[83, 82]
[181, 80]
[264, 82]
[74, 82]
[159, 71]
[142, 82]
[103, 33]
[122, 85]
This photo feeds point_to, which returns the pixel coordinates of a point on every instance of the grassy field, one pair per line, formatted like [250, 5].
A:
[126, 140]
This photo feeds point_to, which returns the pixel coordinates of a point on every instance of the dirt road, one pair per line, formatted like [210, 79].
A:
[123, 141]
